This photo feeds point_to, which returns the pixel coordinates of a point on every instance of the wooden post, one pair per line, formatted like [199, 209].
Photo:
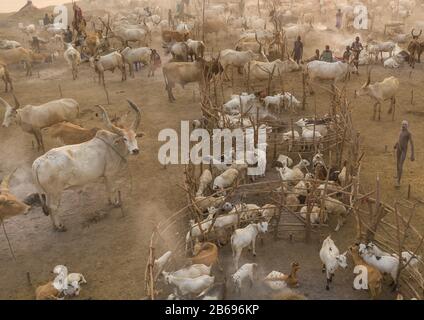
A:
[203, 21]
[304, 91]
[412, 96]
[409, 191]
[60, 91]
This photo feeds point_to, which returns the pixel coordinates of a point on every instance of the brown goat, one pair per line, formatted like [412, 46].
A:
[205, 253]
[375, 278]
[47, 292]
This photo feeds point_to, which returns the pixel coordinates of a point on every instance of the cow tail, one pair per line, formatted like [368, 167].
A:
[41, 192]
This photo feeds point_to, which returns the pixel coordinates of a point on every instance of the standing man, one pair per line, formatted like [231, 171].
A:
[356, 49]
[46, 20]
[339, 16]
[405, 137]
[298, 50]
[170, 19]
[347, 54]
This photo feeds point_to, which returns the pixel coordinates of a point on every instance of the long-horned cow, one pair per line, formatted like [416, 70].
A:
[323, 70]
[232, 58]
[32, 119]
[77, 165]
[110, 62]
[16, 56]
[415, 48]
[380, 92]
[183, 73]
[262, 70]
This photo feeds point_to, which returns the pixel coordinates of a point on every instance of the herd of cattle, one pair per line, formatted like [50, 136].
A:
[127, 37]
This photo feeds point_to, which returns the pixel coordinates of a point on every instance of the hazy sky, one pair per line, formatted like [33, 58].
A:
[15, 5]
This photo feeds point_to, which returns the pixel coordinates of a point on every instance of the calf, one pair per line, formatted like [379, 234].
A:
[73, 58]
[68, 133]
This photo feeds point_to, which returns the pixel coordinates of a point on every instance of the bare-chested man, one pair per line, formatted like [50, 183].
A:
[401, 147]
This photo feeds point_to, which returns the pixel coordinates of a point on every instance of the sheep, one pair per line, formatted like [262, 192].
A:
[275, 100]
[315, 214]
[191, 272]
[242, 238]
[284, 161]
[247, 211]
[385, 264]
[160, 262]
[335, 207]
[203, 203]
[331, 259]
[188, 286]
[246, 271]
[268, 211]
[277, 280]
[295, 174]
[226, 179]
[241, 166]
[204, 181]
[374, 276]
[302, 187]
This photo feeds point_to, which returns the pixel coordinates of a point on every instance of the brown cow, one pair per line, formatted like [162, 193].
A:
[16, 56]
[10, 205]
[186, 72]
[69, 133]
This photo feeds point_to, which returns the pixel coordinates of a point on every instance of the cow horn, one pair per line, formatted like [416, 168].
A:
[17, 104]
[3, 102]
[4, 188]
[137, 120]
[369, 78]
[109, 124]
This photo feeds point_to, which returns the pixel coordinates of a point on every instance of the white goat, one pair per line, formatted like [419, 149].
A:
[189, 286]
[191, 272]
[161, 262]
[242, 238]
[295, 174]
[331, 259]
[385, 264]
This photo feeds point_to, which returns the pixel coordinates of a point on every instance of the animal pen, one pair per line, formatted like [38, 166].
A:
[388, 226]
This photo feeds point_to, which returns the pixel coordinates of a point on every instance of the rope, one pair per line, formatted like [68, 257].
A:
[114, 149]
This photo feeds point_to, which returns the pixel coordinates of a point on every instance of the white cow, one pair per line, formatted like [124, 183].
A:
[323, 70]
[77, 165]
[232, 58]
[262, 70]
[380, 92]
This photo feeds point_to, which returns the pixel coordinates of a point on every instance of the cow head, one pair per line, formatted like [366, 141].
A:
[11, 112]
[10, 206]
[364, 90]
[125, 136]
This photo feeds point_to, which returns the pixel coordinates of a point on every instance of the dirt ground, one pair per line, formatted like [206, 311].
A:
[110, 248]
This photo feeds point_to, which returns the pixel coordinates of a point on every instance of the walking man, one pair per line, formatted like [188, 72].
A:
[405, 137]
[356, 49]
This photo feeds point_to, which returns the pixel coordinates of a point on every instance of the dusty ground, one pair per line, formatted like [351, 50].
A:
[111, 249]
